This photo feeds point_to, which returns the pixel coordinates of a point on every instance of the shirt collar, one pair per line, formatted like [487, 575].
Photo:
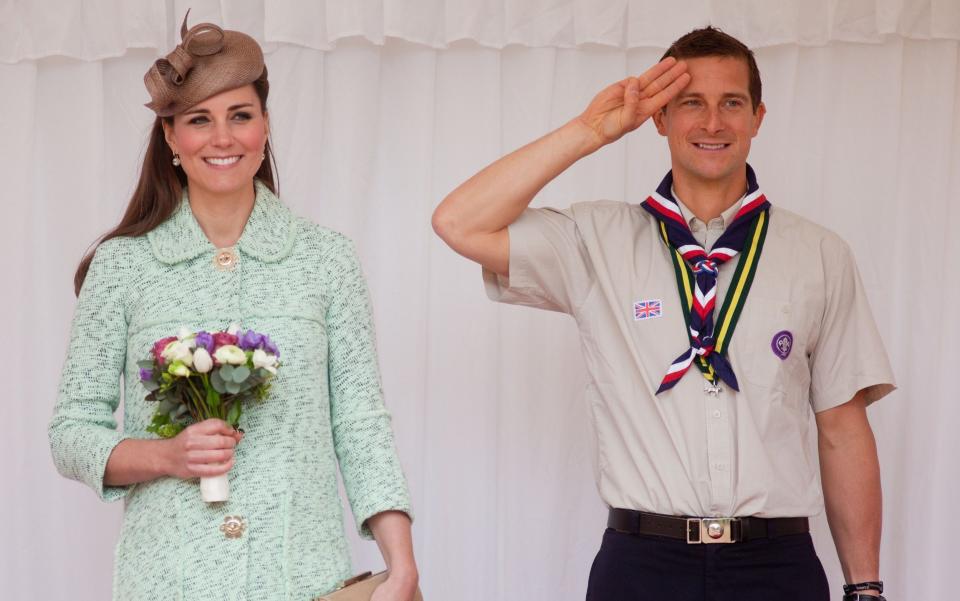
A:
[268, 234]
[724, 218]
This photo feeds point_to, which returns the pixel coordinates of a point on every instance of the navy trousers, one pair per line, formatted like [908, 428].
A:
[632, 567]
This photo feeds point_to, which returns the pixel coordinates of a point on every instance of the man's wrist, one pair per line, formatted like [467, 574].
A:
[587, 139]
[866, 590]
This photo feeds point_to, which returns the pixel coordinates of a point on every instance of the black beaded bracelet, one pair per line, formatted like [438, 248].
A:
[858, 596]
[876, 585]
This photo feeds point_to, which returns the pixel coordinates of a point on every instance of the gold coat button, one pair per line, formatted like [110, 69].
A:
[225, 259]
[233, 526]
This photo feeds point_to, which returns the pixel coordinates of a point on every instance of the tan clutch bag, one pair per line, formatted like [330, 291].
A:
[360, 588]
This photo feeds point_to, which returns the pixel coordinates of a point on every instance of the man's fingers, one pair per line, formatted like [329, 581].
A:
[651, 74]
[664, 96]
[664, 80]
[631, 94]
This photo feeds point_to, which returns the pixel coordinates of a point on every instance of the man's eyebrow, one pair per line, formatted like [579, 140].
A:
[700, 95]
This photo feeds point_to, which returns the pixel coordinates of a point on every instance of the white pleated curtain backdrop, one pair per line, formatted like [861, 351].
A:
[378, 110]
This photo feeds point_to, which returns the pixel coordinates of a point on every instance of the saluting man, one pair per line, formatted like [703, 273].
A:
[713, 322]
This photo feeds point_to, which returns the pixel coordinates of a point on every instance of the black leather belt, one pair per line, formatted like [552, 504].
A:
[704, 530]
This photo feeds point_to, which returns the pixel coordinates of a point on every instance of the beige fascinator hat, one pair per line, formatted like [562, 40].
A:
[207, 61]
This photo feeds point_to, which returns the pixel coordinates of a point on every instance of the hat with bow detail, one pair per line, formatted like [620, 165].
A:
[207, 61]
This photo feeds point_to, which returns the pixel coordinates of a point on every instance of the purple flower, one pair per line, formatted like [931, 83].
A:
[146, 374]
[250, 341]
[269, 346]
[205, 339]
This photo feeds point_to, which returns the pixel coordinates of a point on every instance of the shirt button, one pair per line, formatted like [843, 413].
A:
[716, 414]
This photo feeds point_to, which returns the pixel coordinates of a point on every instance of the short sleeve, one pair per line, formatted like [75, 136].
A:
[849, 355]
[83, 431]
[549, 264]
[363, 438]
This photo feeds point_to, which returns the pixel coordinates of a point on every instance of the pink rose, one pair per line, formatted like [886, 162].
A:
[158, 347]
[223, 339]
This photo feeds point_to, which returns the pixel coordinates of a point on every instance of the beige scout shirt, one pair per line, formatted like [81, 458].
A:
[687, 452]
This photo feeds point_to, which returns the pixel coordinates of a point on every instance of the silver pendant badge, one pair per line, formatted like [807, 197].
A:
[711, 388]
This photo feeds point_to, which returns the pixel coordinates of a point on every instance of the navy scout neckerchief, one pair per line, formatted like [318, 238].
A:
[746, 232]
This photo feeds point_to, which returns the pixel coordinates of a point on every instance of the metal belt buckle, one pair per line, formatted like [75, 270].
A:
[708, 531]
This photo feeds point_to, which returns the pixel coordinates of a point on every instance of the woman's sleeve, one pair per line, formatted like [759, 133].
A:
[83, 431]
[362, 435]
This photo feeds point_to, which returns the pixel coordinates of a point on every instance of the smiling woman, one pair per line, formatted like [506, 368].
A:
[205, 244]
[220, 144]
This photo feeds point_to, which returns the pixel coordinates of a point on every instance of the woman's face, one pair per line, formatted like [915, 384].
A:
[220, 141]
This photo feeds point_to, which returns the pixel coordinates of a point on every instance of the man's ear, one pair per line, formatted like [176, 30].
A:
[761, 111]
[658, 118]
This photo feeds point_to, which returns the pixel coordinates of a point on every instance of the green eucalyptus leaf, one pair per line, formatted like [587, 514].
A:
[216, 380]
[231, 386]
[226, 372]
[146, 364]
[240, 373]
[150, 385]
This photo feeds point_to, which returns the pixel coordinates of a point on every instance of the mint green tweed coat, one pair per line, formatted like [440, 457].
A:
[301, 284]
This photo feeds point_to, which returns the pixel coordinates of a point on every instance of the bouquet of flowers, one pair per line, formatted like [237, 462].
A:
[195, 376]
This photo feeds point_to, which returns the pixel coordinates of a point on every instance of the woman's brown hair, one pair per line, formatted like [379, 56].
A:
[161, 185]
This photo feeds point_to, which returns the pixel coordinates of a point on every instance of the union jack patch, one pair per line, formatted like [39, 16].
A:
[647, 309]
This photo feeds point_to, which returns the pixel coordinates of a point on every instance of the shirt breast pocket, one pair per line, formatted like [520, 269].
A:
[769, 348]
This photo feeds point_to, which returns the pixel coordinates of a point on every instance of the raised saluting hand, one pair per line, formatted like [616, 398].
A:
[622, 107]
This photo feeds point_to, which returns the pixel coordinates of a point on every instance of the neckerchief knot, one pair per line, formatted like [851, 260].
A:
[697, 272]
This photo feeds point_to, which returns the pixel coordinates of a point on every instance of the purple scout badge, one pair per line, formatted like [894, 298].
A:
[782, 344]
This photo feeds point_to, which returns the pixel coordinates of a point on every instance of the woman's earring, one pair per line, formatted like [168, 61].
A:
[263, 156]
[176, 160]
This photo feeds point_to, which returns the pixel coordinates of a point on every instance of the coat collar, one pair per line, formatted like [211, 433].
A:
[268, 235]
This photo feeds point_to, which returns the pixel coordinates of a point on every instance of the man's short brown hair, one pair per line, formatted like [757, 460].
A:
[710, 41]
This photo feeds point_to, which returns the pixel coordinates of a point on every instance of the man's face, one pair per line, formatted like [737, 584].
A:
[709, 125]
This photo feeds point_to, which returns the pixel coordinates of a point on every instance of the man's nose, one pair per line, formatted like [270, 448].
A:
[712, 120]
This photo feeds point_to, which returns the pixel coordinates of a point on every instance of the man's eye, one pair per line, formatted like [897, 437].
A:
[734, 103]
[691, 102]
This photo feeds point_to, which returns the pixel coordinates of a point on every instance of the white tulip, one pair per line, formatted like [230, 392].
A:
[178, 351]
[202, 361]
[261, 359]
[231, 354]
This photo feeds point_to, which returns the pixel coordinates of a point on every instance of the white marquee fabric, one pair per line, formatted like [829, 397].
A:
[862, 134]
[97, 29]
